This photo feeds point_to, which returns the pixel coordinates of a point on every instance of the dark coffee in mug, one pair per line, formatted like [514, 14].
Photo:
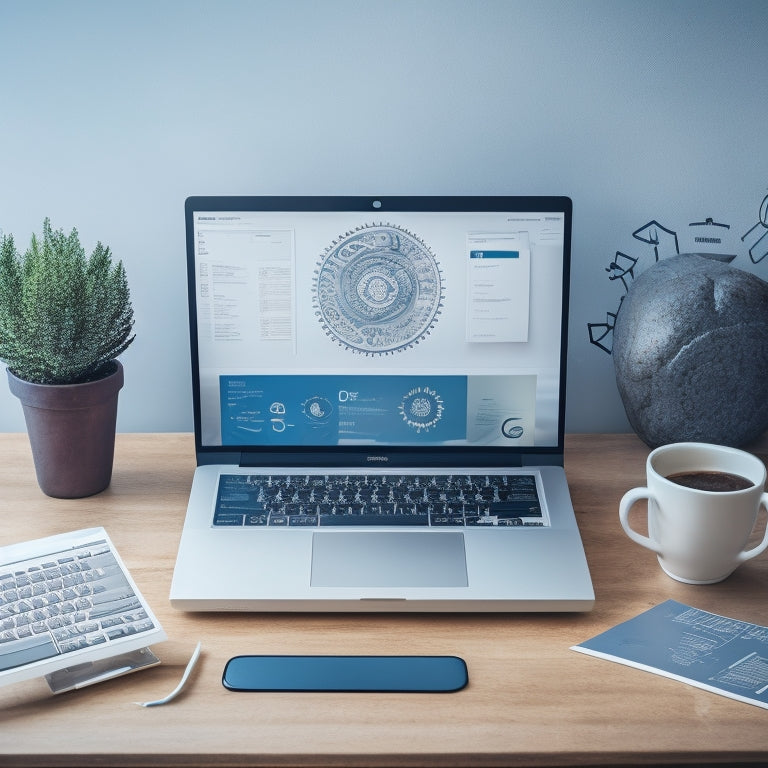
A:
[705, 480]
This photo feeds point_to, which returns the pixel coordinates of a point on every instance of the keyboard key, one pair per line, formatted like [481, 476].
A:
[115, 606]
[371, 520]
[228, 518]
[33, 648]
[441, 519]
[302, 520]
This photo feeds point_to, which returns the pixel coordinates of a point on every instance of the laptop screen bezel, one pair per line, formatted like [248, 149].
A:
[379, 456]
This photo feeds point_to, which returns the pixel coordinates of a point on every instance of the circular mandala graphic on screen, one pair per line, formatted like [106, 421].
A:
[378, 290]
[421, 408]
[317, 408]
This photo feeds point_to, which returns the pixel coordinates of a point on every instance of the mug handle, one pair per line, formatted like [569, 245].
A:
[750, 553]
[629, 498]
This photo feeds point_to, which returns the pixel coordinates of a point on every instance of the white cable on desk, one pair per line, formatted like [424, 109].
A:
[177, 690]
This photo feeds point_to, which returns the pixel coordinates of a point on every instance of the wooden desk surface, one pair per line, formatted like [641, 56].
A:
[530, 700]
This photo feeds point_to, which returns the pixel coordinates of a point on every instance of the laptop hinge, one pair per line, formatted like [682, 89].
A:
[379, 459]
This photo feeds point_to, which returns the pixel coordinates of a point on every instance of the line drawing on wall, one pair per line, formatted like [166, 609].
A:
[663, 241]
[649, 233]
[762, 221]
[622, 268]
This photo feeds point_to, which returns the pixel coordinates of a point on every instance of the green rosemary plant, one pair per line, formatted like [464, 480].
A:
[64, 317]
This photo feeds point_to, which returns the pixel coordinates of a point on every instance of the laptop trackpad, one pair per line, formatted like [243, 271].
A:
[388, 559]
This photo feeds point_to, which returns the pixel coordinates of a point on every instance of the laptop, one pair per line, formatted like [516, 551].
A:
[378, 387]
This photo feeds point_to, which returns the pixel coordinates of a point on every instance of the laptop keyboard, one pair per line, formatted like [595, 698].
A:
[301, 501]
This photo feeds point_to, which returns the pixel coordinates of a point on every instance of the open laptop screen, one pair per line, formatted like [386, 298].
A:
[332, 323]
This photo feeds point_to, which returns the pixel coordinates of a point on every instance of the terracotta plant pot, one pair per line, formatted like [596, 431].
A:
[71, 431]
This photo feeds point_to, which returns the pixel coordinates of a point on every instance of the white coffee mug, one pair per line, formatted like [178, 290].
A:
[698, 535]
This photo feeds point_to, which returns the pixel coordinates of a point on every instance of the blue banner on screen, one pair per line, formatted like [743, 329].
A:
[334, 410]
[494, 254]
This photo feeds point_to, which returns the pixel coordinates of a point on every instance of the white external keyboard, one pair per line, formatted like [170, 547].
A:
[65, 601]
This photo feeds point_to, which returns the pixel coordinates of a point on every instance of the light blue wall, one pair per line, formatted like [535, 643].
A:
[112, 113]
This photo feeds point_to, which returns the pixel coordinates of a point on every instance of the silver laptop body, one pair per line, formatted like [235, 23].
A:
[378, 389]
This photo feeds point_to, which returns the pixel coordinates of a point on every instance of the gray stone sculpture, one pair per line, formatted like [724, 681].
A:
[690, 352]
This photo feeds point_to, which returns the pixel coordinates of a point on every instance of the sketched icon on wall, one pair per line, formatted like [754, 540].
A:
[708, 236]
[622, 268]
[378, 290]
[664, 242]
[759, 249]
[654, 234]
[601, 334]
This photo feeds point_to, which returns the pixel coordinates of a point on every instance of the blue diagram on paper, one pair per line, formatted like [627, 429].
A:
[336, 409]
[703, 649]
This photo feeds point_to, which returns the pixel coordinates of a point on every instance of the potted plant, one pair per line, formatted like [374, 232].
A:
[64, 319]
